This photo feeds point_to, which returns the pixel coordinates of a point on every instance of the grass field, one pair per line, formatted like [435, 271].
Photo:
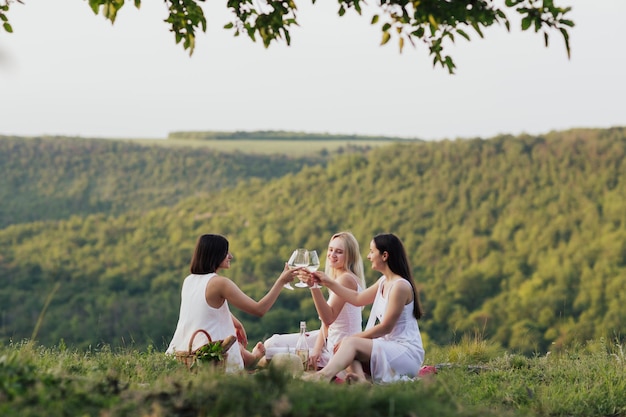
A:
[474, 378]
[288, 147]
[300, 145]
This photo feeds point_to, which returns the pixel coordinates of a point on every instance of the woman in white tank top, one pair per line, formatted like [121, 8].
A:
[205, 298]
[339, 318]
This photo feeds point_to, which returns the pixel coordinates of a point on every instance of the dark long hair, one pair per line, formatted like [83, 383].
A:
[210, 251]
[398, 263]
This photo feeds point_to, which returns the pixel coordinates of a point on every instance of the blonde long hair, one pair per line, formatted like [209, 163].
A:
[354, 261]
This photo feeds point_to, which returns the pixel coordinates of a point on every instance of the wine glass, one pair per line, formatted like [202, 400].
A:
[314, 264]
[301, 260]
[299, 257]
[291, 265]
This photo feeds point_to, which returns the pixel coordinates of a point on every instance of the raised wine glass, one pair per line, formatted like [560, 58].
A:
[314, 264]
[301, 260]
[299, 257]
[290, 264]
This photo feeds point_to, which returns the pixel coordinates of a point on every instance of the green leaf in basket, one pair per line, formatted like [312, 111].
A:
[212, 351]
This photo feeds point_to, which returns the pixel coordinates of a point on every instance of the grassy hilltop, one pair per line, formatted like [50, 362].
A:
[474, 379]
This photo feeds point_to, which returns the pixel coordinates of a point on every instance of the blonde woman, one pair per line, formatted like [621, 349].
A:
[339, 318]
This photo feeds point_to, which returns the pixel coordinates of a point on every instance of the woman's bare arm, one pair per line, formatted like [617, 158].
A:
[328, 311]
[356, 298]
[221, 288]
[398, 297]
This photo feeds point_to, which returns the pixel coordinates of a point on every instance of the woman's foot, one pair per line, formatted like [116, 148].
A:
[315, 377]
[355, 378]
[252, 359]
[259, 351]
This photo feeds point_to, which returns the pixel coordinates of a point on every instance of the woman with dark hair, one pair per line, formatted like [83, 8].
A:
[390, 348]
[205, 298]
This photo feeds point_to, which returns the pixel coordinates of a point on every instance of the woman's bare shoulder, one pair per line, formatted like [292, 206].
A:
[218, 281]
[402, 287]
[348, 280]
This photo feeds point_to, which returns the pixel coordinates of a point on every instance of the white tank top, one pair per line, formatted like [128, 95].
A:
[348, 321]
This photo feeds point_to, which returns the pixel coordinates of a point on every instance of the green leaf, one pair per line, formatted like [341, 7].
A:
[229, 25]
[449, 64]
[95, 6]
[462, 33]
[386, 37]
[432, 21]
[566, 39]
[7, 27]
[526, 22]
[545, 38]
[191, 43]
[357, 6]
[502, 15]
[374, 19]
[477, 29]
[212, 351]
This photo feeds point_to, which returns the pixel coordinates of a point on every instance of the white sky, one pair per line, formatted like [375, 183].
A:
[66, 71]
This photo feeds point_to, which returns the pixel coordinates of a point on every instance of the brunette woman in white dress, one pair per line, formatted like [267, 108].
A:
[205, 299]
[390, 348]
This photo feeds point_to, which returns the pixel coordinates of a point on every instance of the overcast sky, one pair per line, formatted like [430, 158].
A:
[66, 71]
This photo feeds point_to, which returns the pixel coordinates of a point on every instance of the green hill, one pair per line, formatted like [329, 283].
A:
[520, 238]
[55, 178]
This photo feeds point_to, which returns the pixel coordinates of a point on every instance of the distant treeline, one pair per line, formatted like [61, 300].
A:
[276, 135]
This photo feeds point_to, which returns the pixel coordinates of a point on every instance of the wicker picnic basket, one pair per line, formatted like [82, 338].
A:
[189, 357]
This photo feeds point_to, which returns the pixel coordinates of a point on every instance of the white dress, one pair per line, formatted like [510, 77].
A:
[348, 322]
[399, 354]
[196, 314]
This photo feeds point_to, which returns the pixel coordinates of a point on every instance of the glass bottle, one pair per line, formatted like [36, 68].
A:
[302, 347]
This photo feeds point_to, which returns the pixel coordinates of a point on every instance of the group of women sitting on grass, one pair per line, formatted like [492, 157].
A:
[389, 349]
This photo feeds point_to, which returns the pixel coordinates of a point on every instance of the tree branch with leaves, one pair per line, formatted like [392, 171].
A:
[431, 22]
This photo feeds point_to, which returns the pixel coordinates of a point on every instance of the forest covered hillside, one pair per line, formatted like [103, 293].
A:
[52, 178]
[522, 239]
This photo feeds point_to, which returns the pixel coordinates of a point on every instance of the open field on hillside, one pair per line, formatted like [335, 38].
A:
[289, 147]
[286, 143]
